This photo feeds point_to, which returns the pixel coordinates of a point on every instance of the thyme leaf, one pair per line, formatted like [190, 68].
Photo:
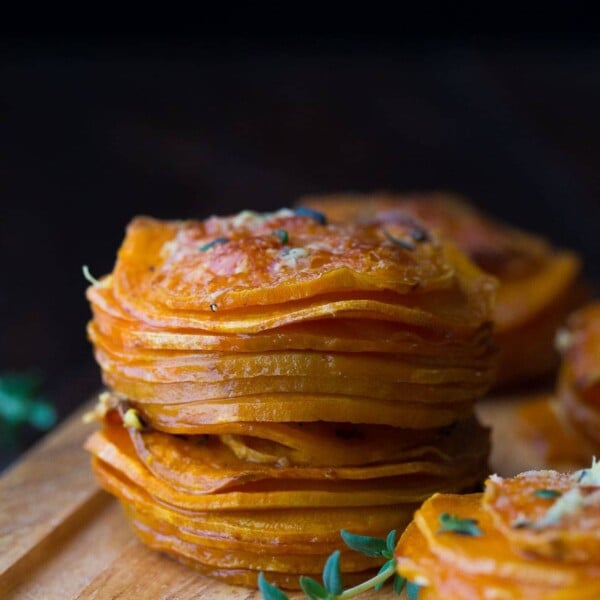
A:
[390, 542]
[547, 494]
[312, 589]
[419, 235]
[399, 583]
[397, 241]
[309, 212]
[453, 524]
[215, 242]
[268, 590]
[412, 590]
[283, 235]
[367, 545]
[332, 575]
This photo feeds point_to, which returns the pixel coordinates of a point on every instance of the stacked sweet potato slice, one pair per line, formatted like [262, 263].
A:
[274, 379]
[537, 282]
[534, 536]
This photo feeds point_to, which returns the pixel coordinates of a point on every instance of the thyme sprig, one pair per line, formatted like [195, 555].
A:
[332, 587]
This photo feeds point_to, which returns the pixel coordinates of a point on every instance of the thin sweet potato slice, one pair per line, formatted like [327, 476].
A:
[250, 266]
[118, 452]
[193, 417]
[491, 554]
[441, 580]
[547, 513]
[346, 335]
[218, 462]
[297, 529]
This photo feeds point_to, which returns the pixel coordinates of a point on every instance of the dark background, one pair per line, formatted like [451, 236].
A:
[95, 129]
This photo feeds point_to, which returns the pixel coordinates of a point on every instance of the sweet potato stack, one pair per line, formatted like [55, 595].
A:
[275, 379]
[579, 382]
[537, 282]
[535, 536]
[565, 427]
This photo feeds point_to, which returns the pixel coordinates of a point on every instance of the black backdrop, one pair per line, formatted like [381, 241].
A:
[95, 131]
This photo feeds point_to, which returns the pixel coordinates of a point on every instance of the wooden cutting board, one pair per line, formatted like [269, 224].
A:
[63, 538]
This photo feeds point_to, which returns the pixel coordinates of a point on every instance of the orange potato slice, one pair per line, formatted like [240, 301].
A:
[573, 536]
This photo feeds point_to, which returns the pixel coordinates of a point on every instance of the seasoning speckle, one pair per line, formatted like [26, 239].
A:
[283, 236]
[419, 235]
[209, 245]
[132, 419]
[398, 242]
[314, 214]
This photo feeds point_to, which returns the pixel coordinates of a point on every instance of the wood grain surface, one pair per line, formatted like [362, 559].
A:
[61, 538]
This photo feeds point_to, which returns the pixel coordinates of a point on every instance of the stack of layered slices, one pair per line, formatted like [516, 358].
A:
[274, 379]
[564, 428]
[579, 383]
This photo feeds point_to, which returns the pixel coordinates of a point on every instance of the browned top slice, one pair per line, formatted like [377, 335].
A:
[248, 264]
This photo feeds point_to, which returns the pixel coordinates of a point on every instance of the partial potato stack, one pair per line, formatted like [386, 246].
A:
[579, 382]
[538, 283]
[565, 427]
[275, 379]
[535, 536]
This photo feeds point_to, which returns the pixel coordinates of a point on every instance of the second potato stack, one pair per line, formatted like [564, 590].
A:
[275, 379]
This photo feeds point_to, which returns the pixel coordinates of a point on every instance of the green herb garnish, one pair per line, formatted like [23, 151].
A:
[547, 494]
[398, 242]
[399, 583]
[268, 590]
[332, 575]
[332, 587]
[312, 589]
[21, 404]
[419, 235]
[412, 590]
[453, 524]
[314, 214]
[283, 236]
[215, 242]
[89, 277]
